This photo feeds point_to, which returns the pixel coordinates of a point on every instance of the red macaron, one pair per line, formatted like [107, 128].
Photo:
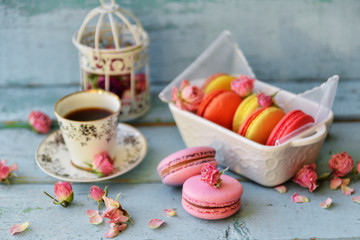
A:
[292, 121]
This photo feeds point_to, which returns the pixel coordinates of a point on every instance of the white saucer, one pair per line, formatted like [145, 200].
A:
[53, 157]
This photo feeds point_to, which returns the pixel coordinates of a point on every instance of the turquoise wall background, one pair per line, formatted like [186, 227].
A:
[283, 40]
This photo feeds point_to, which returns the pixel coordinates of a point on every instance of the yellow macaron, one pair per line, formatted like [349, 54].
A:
[247, 106]
[259, 125]
[222, 82]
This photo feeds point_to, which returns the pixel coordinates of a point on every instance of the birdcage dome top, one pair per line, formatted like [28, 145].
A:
[110, 28]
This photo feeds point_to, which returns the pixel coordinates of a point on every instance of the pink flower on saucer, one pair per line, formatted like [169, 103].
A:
[341, 164]
[243, 85]
[103, 164]
[188, 97]
[39, 121]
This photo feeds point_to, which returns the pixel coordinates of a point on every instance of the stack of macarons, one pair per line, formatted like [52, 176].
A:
[199, 198]
[245, 115]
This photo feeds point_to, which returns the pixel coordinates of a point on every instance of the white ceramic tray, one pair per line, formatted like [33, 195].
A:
[266, 165]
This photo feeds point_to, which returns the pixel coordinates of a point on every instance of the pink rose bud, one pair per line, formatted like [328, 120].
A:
[63, 191]
[306, 177]
[341, 164]
[39, 121]
[103, 164]
[243, 85]
[97, 193]
[264, 100]
[211, 175]
[358, 167]
[188, 97]
[6, 171]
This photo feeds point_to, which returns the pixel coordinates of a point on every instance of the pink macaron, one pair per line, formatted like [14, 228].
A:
[176, 168]
[207, 202]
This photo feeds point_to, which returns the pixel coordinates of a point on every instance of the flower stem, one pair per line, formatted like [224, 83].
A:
[55, 201]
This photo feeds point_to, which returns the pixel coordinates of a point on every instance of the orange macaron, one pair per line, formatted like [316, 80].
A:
[219, 107]
[259, 124]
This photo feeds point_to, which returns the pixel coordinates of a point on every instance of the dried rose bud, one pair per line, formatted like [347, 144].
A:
[188, 98]
[264, 100]
[341, 164]
[103, 164]
[243, 85]
[64, 192]
[6, 171]
[306, 177]
[39, 121]
[97, 193]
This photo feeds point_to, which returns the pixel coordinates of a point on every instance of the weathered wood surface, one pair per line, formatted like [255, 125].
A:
[265, 213]
[283, 40]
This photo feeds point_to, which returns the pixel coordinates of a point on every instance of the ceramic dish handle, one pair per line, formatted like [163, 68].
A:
[319, 134]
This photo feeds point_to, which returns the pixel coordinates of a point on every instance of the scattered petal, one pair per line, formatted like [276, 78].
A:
[356, 199]
[281, 189]
[155, 223]
[347, 190]
[171, 212]
[114, 230]
[299, 199]
[335, 183]
[94, 217]
[326, 204]
[18, 228]
[345, 181]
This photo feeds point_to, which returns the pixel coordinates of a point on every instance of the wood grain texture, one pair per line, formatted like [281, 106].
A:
[283, 40]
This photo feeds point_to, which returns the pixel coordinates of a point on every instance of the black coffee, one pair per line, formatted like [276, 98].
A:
[88, 114]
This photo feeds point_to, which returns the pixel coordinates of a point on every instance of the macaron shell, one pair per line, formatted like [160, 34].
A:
[179, 166]
[246, 107]
[211, 78]
[205, 201]
[262, 125]
[206, 101]
[220, 108]
[222, 82]
[293, 120]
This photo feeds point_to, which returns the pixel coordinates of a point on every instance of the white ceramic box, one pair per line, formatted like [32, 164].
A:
[266, 165]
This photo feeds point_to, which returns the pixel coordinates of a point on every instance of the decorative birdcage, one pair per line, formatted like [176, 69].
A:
[113, 53]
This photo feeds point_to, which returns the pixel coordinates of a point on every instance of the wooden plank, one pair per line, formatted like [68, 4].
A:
[16, 103]
[283, 40]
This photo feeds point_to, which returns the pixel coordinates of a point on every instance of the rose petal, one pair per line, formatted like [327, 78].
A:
[356, 199]
[299, 199]
[97, 219]
[345, 181]
[94, 217]
[171, 212]
[335, 183]
[155, 223]
[13, 167]
[114, 230]
[18, 228]
[281, 189]
[326, 204]
[347, 190]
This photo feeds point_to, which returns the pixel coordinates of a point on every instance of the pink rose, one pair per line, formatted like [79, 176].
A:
[264, 100]
[341, 164]
[103, 164]
[306, 177]
[358, 167]
[210, 175]
[64, 191]
[97, 193]
[5, 171]
[39, 121]
[188, 97]
[243, 85]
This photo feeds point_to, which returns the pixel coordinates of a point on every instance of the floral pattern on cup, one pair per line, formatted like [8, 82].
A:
[87, 132]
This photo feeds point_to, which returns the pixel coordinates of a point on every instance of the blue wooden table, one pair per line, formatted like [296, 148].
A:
[35, 74]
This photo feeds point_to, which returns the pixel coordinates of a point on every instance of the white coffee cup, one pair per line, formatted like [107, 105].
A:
[85, 139]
